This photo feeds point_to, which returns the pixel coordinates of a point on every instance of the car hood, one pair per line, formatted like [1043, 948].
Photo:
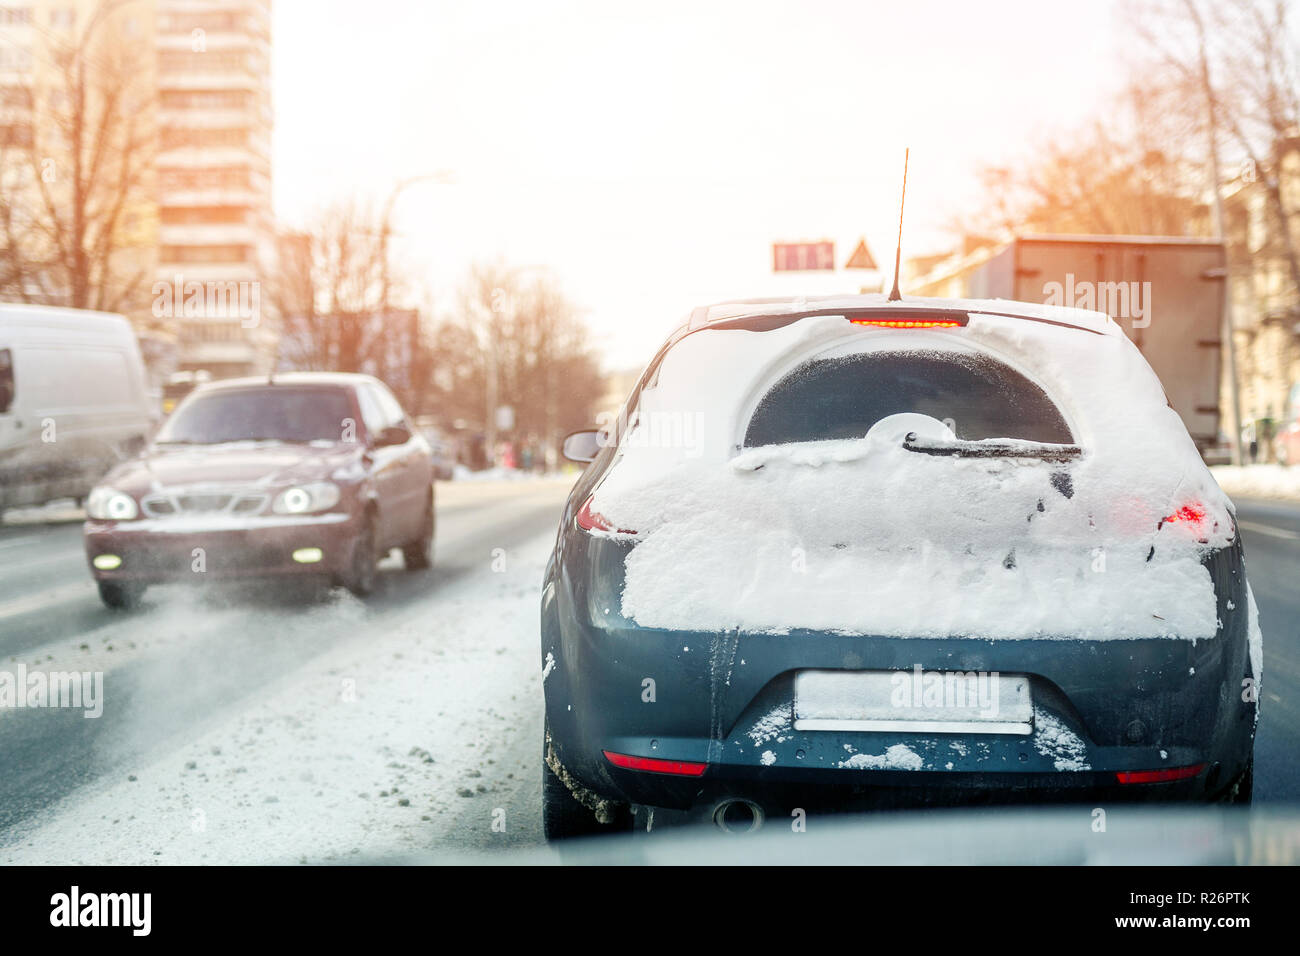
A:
[235, 463]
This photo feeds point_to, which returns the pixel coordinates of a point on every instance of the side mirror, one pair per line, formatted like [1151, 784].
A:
[392, 435]
[583, 446]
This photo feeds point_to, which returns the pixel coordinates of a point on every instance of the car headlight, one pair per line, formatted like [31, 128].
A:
[305, 499]
[108, 504]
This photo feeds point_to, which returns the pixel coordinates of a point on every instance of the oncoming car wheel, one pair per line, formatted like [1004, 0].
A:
[120, 595]
[361, 574]
[418, 555]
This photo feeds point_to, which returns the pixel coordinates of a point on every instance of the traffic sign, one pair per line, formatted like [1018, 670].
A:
[861, 258]
[803, 256]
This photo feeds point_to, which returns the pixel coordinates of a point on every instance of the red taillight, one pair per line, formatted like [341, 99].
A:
[1196, 518]
[1159, 776]
[589, 520]
[909, 323]
[680, 768]
[1193, 514]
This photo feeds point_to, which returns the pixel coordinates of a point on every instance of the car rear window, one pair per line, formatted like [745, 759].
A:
[843, 397]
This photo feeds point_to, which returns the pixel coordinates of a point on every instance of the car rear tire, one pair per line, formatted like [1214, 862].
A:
[564, 817]
[418, 555]
[361, 575]
[120, 595]
[1241, 790]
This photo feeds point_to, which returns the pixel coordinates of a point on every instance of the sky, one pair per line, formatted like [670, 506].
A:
[649, 155]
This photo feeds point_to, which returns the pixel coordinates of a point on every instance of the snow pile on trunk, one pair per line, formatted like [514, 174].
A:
[864, 536]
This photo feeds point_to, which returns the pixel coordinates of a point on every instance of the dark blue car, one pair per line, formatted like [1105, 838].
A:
[847, 553]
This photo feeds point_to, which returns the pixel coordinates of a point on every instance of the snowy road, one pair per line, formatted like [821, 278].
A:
[279, 728]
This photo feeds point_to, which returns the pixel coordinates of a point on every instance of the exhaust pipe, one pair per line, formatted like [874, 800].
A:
[738, 815]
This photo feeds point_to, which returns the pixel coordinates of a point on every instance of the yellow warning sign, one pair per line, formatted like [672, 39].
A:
[861, 258]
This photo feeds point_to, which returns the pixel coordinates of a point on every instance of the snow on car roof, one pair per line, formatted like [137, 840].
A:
[792, 305]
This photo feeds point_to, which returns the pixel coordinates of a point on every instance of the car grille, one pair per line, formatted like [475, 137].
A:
[200, 503]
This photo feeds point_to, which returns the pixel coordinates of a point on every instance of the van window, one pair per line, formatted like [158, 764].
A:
[66, 379]
[6, 380]
[843, 397]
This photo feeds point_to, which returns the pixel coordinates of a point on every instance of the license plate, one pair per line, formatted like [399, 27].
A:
[954, 702]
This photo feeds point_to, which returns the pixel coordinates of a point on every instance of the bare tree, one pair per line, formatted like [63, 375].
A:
[336, 292]
[1238, 60]
[76, 220]
[331, 289]
[1121, 174]
[516, 341]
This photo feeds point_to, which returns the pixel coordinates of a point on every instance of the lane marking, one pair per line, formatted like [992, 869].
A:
[1269, 530]
[19, 562]
[43, 600]
[7, 543]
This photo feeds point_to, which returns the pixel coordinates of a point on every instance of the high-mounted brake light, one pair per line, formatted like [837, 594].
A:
[589, 520]
[910, 323]
[1159, 776]
[680, 768]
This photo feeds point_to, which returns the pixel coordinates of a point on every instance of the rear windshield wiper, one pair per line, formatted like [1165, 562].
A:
[992, 448]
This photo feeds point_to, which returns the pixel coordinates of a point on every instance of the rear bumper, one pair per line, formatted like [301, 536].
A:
[1101, 708]
[163, 550]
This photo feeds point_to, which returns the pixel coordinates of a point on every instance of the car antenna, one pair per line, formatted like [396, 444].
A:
[895, 295]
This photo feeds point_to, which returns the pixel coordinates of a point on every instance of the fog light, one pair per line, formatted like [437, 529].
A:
[107, 562]
[308, 555]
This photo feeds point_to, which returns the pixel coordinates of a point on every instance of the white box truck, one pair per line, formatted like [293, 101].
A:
[73, 401]
[1165, 291]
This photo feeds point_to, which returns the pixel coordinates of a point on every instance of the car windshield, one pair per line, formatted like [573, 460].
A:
[843, 397]
[273, 413]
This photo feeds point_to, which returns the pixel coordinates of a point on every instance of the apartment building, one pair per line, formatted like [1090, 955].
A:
[199, 224]
[216, 236]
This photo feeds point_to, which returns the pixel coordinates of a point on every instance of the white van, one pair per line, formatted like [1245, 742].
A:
[73, 401]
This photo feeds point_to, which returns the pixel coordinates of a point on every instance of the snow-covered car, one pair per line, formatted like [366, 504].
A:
[314, 474]
[845, 552]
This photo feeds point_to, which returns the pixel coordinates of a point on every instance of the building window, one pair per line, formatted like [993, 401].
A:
[199, 254]
[16, 134]
[19, 97]
[204, 215]
[178, 137]
[211, 177]
[15, 16]
[186, 61]
[205, 99]
[15, 59]
[63, 18]
[212, 21]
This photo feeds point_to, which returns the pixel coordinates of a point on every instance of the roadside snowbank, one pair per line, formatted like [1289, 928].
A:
[370, 749]
[1258, 481]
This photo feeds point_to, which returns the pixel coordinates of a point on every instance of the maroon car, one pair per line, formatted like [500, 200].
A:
[306, 473]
